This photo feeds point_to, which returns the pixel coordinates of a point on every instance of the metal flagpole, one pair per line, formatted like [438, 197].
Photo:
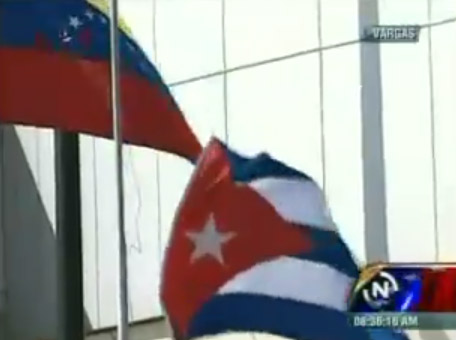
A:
[122, 331]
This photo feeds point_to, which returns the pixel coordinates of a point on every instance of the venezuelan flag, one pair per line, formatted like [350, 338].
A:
[55, 72]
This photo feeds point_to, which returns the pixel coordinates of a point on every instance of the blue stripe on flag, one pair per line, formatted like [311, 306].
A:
[330, 249]
[245, 169]
[256, 313]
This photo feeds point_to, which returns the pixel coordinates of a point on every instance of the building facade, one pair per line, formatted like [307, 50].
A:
[374, 124]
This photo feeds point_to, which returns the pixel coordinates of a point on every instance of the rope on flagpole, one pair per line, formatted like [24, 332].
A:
[122, 331]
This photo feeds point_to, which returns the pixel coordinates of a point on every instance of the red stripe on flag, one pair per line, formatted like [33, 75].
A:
[50, 89]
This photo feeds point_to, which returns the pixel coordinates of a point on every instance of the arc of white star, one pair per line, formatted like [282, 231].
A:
[75, 22]
[209, 241]
[64, 36]
[89, 14]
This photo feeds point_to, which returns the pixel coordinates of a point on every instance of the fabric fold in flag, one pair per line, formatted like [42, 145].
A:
[248, 253]
[55, 72]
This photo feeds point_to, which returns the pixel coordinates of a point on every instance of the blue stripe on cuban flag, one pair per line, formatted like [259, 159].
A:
[287, 296]
[332, 251]
[302, 296]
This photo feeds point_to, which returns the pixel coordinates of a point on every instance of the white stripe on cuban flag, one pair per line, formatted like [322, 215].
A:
[312, 282]
[296, 200]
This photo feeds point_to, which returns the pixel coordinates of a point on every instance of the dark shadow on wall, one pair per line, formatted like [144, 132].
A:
[30, 249]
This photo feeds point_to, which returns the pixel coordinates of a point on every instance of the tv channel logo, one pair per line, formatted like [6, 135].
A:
[379, 292]
[375, 290]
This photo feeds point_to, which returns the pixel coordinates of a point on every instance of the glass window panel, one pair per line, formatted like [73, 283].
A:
[258, 30]
[189, 38]
[275, 108]
[408, 153]
[343, 154]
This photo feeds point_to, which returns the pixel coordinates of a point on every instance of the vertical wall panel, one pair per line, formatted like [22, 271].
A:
[202, 104]
[275, 108]
[28, 224]
[189, 37]
[28, 137]
[373, 160]
[141, 190]
[405, 12]
[46, 171]
[407, 137]
[38, 146]
[141, 193]
[442, 10]
[341, 88]
[342, 129]
[106, 216]
[141, 217]
[444, 78]
[339, 21]
[258, 30]
[89, 208]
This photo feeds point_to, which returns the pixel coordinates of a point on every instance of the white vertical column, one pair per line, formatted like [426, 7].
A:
[376, 239]
[341, 119]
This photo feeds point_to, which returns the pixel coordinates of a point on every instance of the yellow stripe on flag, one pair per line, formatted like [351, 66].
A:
[103, 6]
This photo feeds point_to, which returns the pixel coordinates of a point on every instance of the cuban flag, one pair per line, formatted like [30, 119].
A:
[254, 249]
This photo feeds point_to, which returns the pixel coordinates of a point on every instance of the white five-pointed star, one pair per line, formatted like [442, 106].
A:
[89, 14]
[75, 22]
[209, 241]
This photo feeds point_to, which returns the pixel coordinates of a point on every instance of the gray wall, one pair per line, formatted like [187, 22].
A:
[28, 220]
[373, 124]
